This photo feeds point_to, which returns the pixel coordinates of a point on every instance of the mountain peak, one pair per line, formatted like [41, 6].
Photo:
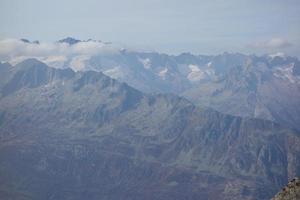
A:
[69, 40]
[32, 73]
[30, 42]
[31, 62]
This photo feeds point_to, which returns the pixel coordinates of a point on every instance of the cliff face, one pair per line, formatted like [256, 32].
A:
[290, 192]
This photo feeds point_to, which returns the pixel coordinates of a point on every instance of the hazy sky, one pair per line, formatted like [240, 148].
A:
[171, 26]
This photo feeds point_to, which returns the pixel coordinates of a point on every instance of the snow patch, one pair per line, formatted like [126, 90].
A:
[286, 73]
[196, 74]
[194, 68]
[163, 73]
[209, 64]
[146, 63]
[114, 72]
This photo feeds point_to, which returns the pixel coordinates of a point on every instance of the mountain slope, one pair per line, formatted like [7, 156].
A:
[256, 89]
[265, 87]
[262, 87]
[67, 135]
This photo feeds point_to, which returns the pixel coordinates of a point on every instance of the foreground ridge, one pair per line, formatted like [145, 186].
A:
[289, 192]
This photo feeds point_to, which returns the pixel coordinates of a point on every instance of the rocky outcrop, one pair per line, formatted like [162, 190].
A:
[289, 192]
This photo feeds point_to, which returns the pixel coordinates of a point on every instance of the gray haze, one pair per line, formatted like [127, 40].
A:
[198, 26]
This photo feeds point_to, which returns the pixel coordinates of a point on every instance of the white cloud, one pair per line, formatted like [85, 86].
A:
[78, 63]
[274, 43]
[55, 54]
[55, 61]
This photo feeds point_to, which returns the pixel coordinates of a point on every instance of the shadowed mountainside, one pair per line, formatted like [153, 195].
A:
[83, 135]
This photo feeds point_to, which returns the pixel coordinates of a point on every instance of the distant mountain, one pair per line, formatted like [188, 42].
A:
[154, 72]
[69, 40]
[266, 87]
[83, 135]
[28, 41]
[262, 88]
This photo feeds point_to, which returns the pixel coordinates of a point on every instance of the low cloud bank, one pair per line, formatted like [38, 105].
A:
[273, 43]
[15, 50]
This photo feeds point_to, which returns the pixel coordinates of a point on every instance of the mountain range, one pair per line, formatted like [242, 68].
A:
[81, 134]
[265, 87]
